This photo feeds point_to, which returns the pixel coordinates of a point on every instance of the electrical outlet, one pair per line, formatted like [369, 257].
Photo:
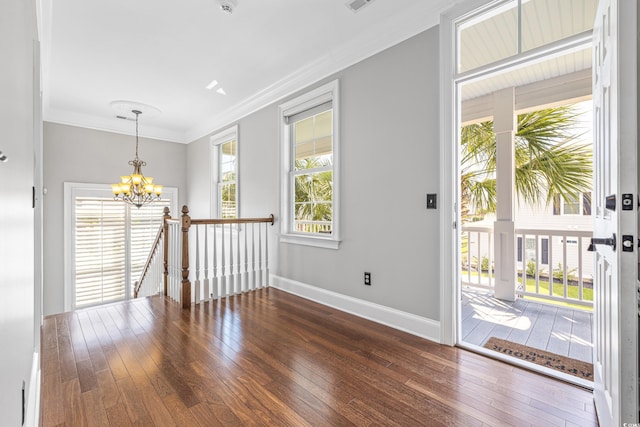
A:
[367, 278]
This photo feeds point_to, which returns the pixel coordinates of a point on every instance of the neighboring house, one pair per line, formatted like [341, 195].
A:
[558, 217]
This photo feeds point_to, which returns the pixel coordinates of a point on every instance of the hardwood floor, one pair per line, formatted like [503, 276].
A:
[270, 358]
[560, 330]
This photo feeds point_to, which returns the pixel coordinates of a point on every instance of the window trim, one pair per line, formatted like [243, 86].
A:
[215, 141]
[326, 93]
[71, 190]
[559, 205]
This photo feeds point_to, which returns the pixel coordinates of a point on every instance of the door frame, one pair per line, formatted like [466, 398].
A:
[450, 327]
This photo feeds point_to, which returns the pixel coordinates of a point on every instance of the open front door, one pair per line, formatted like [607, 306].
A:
[616, 270]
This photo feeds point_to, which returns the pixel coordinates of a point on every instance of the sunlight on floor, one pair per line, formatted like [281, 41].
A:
[510, 320]
[573, 339]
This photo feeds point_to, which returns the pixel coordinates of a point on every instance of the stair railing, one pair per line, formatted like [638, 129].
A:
[232, 257]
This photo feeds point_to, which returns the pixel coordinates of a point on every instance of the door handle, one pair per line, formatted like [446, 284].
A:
[610, 241]
[610, 202]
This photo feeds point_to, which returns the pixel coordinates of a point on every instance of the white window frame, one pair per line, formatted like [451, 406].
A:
[323, 94]
[71, 191]
[214, 149]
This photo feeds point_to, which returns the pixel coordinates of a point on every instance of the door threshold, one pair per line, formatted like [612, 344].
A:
[528, 366]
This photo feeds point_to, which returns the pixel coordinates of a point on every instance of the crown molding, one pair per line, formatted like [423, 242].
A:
[111, 124]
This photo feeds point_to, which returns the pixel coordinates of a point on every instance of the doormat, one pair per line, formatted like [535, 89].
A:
[564, 364]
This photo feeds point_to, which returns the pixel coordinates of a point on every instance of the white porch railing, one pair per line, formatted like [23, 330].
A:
[230, 256]
[553, 265]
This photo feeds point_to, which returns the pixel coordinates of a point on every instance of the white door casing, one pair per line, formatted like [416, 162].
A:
[615, 173]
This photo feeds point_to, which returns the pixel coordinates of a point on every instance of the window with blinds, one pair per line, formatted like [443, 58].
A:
[111, 242]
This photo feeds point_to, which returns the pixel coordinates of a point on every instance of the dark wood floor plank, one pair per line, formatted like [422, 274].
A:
[109, 392]
[52, 407]
[66, 356]
[74, 412]
[117, 415]
[94, 409]
[271, 358]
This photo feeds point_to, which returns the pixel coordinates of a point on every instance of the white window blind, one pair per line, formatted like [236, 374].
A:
[110, 243]
[100, 236]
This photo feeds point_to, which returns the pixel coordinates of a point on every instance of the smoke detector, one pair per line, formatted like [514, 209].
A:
[356, 5]
[227, 6]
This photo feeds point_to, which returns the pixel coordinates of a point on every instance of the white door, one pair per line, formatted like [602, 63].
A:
[615, 173]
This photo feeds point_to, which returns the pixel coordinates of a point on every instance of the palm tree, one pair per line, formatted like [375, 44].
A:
[313, 191]
[549, 161]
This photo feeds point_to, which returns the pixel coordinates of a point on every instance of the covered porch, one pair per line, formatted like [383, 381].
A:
[557, 329]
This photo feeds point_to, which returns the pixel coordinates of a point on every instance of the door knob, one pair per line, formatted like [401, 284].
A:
[610, 241]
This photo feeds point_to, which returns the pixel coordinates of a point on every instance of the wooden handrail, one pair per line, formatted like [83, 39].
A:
[270, 220]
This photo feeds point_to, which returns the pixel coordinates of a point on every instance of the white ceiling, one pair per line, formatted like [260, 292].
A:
[163, 53]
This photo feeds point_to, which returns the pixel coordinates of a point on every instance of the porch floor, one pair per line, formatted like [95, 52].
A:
[556, 329]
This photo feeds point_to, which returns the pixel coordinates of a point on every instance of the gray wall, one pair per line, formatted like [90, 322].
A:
[18, 329]
[74, 154]
[389, 141]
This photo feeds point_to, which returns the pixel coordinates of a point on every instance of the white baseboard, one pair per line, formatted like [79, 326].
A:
[32, 415]
[407, 322]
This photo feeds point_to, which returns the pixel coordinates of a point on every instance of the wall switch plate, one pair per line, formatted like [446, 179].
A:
[432, 201]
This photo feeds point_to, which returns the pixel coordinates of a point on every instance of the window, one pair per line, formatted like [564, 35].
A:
[574, 204]
[519, 249]
[224, 149]
[520, 26]
[544, 251]
[310, 172]
[106, 243]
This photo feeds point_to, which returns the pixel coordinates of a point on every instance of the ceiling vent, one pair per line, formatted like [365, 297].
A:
[356, 5]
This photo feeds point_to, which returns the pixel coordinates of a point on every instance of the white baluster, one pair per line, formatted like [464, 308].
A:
[205, 292]
[214, 280]
[223, 278]
[232, 283]
[238, 277]
[260, 281]
[266, 254]
[245, 275]
[196, 284]
[253, 257]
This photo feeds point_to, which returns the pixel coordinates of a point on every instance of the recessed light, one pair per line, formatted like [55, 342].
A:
[221, 91]
[213, 84]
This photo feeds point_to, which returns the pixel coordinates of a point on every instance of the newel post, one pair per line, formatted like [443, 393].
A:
[165, 249]
[186, 284]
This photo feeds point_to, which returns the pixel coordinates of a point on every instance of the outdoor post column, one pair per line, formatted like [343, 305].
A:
[504, 127]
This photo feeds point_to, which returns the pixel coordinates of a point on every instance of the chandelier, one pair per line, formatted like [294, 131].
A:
[136, 189]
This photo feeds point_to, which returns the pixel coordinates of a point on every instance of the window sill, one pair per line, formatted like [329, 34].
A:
[318, 242]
